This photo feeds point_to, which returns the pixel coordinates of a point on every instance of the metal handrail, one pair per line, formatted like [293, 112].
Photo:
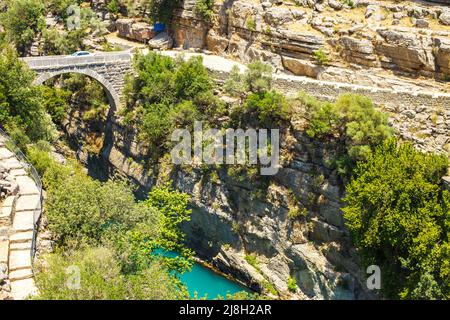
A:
[37, 212]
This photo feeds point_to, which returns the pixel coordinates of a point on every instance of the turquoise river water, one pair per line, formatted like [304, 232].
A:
[202, 281]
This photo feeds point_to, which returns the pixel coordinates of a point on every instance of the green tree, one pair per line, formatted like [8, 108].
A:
[21, 110]
[83, 95]
[57, 41]
[100, 278]
[82, 210]
[166, 94]
[55, 101]
[59, 8]
[234, 85]
[258, 77]
[113, 6]
[204, 9]
[191, 79]
[155, 125]
[352, 122]
[270, 107]
[153, 82]
[22, 21]
[173, 207]
[399, 217]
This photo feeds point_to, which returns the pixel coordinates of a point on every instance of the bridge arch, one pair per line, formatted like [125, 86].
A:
[111, 92]
[108, 68]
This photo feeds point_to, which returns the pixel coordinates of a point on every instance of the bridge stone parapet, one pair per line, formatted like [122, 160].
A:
[107, 68]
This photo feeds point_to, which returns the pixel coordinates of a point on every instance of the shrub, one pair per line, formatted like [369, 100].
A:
[173, 207]
[113, 6]
[270, 107]
[57, 41]
[251, 260]
[258, 77]
[82, 210]
[352, 122]
[155, 127]
[22, 21]
[85, 96]
[174, 212]
[398, 215]
[184, 114]
[153, 82]
[191, 79]
[166, 94]
[100, 278]
[267, 286]
[40, 159]
[234, 85]
[59, 7]
[321, 57]
[21, 110]
[295, 212]
[292, 284]
[204, 9]
[55, 101]
[251, 24]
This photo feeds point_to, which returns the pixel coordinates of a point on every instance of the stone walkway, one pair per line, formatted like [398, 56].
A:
[16, 227]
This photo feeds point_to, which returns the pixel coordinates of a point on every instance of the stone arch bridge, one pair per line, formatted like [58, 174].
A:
[108, 68]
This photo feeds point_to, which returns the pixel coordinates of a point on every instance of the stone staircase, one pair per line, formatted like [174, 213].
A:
[17, 215]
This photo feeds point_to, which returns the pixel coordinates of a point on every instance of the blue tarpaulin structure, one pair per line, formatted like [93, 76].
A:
[159, 27]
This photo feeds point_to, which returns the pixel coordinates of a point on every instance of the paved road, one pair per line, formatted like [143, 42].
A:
[210, 61]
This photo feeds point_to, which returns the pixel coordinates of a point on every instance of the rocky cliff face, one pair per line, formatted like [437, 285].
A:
[253, 234]
[378, 43]
[261, 231]
[291, 225]
[395, 52]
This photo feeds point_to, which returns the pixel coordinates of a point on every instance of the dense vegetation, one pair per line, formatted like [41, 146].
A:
[101, 229]
[73, 93]
[72, 38]
[22, 113]
[23, 20]
[101, 278]
[352, 123]
[167, 94]
[89, 219]
[24, 23]
[399, 216]
[153, 10]
[204, 9]
[395, 206]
